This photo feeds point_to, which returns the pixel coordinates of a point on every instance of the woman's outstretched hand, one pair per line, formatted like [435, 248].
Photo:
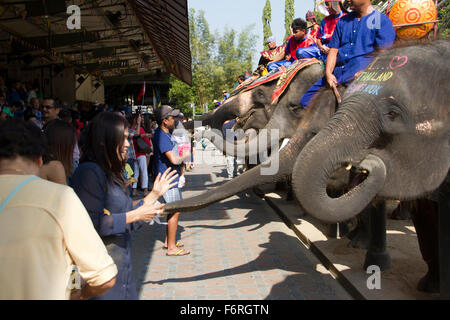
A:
[164, 182]
[145, 212]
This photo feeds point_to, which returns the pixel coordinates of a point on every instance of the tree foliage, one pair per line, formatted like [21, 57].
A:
[444, 20]
[218, 59]
[289, 13]
[266, 20]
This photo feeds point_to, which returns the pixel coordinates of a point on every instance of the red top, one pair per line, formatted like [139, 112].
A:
[138, 154]
[328, 25]
[293, 45]
[314, 31]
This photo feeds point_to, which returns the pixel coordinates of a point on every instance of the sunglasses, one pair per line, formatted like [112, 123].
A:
[48, 107]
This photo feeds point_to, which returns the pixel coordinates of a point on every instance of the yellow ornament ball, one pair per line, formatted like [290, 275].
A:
[413, 11]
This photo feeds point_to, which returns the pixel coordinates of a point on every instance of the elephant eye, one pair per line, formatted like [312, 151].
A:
[392, 115]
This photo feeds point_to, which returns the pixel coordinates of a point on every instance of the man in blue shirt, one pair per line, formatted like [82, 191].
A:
[356, 37]
[165, 157]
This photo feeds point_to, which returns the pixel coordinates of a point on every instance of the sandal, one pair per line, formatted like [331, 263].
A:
[179, 244]
[180, 252]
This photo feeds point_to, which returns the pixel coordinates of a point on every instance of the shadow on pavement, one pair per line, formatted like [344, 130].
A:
[282, 252]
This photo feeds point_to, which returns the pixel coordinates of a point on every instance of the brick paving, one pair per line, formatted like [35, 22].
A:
[240, 249]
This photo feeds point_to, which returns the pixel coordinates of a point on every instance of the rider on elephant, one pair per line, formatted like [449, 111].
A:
[357, 35]
[313, 27]
[299, 46]
[268, 55]
[329, 23]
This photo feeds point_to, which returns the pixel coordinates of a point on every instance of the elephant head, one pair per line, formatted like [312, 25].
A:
[393, 125]
[285, 117]
[238, 105]
[315, 117]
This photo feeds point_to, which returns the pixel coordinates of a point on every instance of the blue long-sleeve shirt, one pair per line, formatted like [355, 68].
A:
[97, 194]
[356, 40]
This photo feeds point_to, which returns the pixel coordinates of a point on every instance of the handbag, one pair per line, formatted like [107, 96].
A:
[142, 146]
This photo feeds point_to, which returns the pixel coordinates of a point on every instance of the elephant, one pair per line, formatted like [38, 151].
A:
[312, 120]
[256, 107]
[392, 127]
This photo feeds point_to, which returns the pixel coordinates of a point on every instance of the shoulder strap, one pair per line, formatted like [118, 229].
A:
[13, 193]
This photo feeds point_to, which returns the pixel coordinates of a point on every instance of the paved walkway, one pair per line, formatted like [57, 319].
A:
[240, 249]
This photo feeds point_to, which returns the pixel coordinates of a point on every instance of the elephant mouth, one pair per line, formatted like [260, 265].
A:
[349, 175]
[242, 121]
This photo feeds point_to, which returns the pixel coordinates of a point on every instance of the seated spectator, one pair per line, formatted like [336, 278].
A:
[33, 93]
[100, 183]
[299, 46]
[65, 115]
[29, 115]
[55, 229]
[13, 94]
[326, 30]
[9, 112]
[35, 106]
[58, 160]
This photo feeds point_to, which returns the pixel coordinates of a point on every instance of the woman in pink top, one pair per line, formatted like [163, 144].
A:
[140, 164]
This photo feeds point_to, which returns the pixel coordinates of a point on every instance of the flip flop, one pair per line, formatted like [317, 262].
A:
[178, 245]
[180, 252]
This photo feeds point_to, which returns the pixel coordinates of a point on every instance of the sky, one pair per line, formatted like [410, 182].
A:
[238, 14]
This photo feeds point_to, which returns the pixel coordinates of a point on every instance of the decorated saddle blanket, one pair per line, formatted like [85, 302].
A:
[256, 81]
[289, 74]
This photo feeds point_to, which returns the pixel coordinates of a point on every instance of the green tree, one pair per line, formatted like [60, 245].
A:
[444, 20]
[319, 17]
[217, 61]
[289, 13]
[181, 95]
[266, 20]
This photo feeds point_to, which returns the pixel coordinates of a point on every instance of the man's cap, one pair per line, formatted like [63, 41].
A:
[271, 39]
[164, 112]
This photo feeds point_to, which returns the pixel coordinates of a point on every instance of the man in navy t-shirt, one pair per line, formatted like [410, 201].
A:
[164, 158]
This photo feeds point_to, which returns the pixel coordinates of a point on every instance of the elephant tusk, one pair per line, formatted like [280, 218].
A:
[349, 167]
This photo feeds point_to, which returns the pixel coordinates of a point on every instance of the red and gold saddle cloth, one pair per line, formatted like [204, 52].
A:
[289, 74]
[256, 81]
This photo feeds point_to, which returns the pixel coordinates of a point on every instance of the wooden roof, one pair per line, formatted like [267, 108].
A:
[117, 37]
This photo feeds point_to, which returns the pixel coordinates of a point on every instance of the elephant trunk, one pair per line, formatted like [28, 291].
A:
[257, 176]
[353, 129]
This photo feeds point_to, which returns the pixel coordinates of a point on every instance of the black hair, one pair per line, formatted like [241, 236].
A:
[65, 115]
[299, 24]
[19, 138]
[28, 114]
[242, 77]
[104, 136]
[17, 104]
[343, 8]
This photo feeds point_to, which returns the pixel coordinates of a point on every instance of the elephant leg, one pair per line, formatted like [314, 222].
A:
[279, 186]
[290, 192]
[444, 239]
[403, 211]
[377, 253]
[360, 236]
[425, 219]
